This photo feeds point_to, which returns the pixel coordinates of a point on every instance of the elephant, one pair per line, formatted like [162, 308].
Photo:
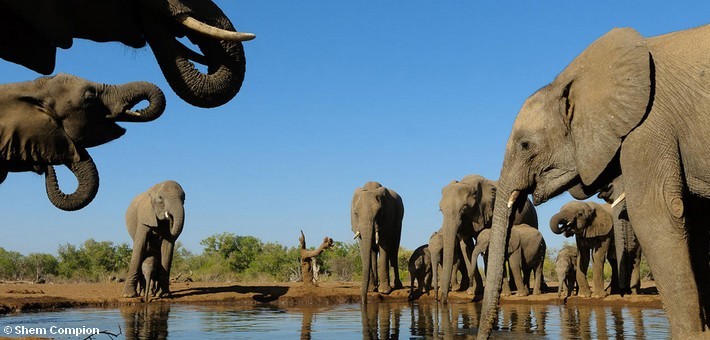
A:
[526, 253]
[467, 206]
[436, 251]
[628, 249]
[38, 29]
[592, 226]
[154, 220]
[626, 105]
[53, 120]
[376, 217]
[419, 266]
[566, 269]
[150, 268]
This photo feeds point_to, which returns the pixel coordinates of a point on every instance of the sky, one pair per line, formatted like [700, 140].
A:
[410, 94]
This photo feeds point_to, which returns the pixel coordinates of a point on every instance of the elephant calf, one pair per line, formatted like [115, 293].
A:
[150, 269]
[420, 269]
[436, 251]
[565, 266]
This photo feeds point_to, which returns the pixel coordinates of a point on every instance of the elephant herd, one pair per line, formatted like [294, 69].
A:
[628, 119]
[465, 234]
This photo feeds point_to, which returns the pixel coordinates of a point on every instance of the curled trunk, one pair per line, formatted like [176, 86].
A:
[555, 222]
[122, 98]
[224, 60]
[88, 178]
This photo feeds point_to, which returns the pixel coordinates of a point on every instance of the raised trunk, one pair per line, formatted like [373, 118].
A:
[449, 230]
[496, 256]
[224, 60]
[555, 223]
[120, 99]
[88, 178]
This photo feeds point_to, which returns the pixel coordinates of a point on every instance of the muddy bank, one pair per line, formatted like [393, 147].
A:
[23, 297]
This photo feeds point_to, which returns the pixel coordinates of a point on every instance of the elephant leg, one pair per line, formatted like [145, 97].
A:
[505, 290]
[134, 268]
[599, 255]
[582, 266]
[537, 289]
[374, 283]
[635, 283]
[657, 214]
[394, 264]
[515, 262]
[383, 272]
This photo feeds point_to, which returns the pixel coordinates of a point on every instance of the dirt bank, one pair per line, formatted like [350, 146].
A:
[23, 297]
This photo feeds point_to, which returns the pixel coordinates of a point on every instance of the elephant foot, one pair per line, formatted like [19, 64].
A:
[537, 291]
[129, 292]
[504, 293]
[600, 295]
[521, 293]
[584, 293]
[385, 291]
[398, 285]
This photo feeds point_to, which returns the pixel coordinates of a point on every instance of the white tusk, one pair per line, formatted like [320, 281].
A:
[167, 215]
[377, 237]
[357, 234]
[569, 223]
[513, 196]
[618, 199]
[212, 31]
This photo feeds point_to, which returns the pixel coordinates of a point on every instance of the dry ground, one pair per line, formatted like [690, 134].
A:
[23, 297]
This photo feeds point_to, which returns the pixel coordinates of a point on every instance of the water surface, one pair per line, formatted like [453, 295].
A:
[376, 321]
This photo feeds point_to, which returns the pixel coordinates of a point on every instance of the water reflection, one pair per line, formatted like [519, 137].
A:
[146, 321]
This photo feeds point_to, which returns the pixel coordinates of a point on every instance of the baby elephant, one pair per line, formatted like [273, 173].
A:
[566, 268]
[420, 269]
[151, 272]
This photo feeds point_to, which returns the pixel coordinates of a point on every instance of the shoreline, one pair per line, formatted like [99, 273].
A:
[26, 297]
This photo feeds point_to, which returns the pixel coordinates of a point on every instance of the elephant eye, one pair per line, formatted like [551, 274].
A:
[525, 145]
[90, 97]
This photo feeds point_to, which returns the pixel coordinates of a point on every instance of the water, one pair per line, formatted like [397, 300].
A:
[376, 321]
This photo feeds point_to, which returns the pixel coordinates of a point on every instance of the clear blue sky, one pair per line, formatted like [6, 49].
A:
[411, 94]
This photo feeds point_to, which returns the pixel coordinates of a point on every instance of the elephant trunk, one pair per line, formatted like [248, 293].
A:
[450, 228]
[556, 220]
[224, 59]
[366, 244]
[177, 221]
[626, 247]
[500, 231]
[88, 185]
[122, 98]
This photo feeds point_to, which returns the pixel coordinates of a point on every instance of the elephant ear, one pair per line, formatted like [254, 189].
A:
[514, 242]
[488, 198]
[30, 132]
[607, 90]
[602, 223]
[147, 215]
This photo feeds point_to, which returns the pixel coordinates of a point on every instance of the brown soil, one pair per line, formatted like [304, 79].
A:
[23, 297]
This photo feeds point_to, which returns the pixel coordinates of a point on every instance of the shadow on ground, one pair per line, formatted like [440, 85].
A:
[262, 293]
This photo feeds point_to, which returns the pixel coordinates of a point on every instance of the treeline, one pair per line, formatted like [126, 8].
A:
[225, 257]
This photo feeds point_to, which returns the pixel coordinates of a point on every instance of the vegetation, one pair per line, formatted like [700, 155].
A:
[225, 257]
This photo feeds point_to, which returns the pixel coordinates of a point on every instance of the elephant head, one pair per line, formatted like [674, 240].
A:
[37, 29]
[568, 134]
[52, 120]
[467, 206]
[166, 208]
[584, 219]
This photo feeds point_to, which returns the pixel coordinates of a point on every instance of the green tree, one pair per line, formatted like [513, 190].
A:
[237, 251]
[39, 265]
[8, 264]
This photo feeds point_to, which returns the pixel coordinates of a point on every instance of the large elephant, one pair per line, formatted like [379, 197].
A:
[467, 206]
[526, 253]
[53, 120]
[34, 29]
[154, 219]
[628, 248]
[592, 227]
[376, 217]
[632, 105]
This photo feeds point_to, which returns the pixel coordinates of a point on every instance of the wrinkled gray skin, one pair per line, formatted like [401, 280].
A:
[154, 219]
[150, 268]
[632, 105]
[526, 254]
[37, 31]
[467, 206]
[436, 250]
[628, 248]
[53, 120]
[566, 269]
[419, 266]
[376, 216]
[591, 225]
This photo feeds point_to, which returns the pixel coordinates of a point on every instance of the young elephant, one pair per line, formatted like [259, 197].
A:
[565, 266]
[150, 269]
[436, 251]
[592, 226]
[526, 253]
[420, 269]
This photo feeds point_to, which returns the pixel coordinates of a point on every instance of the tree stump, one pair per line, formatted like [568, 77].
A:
[308, 258]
